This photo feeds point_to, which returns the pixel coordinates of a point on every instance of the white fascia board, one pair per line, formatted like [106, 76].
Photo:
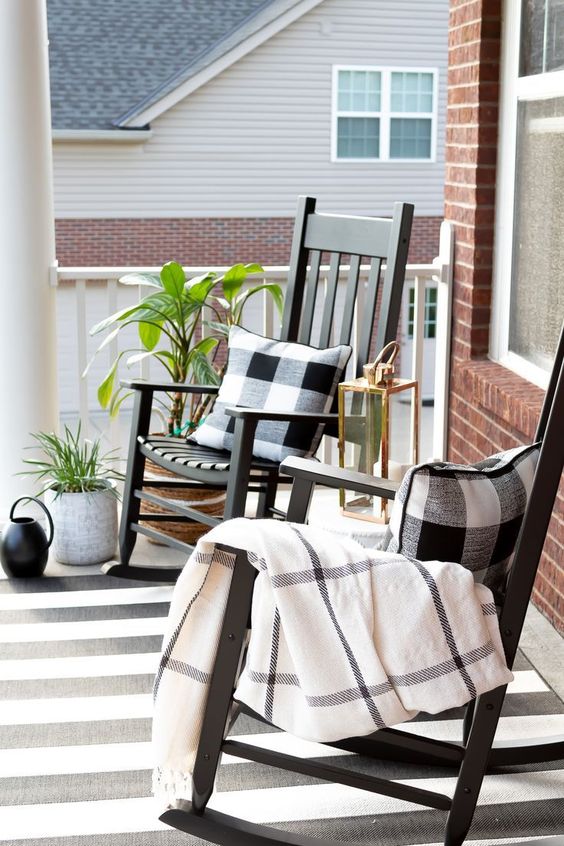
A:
[226, 60]
[117, 136]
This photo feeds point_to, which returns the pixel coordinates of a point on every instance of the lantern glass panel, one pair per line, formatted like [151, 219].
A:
[374, 438]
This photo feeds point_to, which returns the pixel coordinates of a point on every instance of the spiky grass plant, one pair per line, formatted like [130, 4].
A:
[70, 465]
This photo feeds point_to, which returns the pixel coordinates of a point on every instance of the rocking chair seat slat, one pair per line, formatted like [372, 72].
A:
[182, 453]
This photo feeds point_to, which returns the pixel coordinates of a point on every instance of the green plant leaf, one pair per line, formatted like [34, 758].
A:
[222, 302]
[149, 334]
[198, 289]
[205, 346]
[141, 279]
[254, 268]
[140, 356]
[117, 400]
[233, 280]
[203, 370]
[221, 328]
[116, 317]
[107, 340]
[173, 278]
[275, 291]
[106, 387]
[195, 280]
[199, 293]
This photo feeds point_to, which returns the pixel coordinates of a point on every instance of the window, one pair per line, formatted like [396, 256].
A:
[430, 319]
[528, 290]
[384, 114]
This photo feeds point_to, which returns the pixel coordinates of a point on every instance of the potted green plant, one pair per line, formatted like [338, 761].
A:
[170, 323]
[173, 312]
[79, 483]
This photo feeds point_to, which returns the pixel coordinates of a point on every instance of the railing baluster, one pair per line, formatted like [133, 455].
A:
[112, 287]
[81, 333]
[442, 360]
[417, 361]
[145, 364]
[267, 313]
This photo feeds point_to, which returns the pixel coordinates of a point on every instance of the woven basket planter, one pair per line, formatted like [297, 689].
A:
[206, 500]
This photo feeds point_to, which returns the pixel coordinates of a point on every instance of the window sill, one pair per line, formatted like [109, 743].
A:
[503, 393]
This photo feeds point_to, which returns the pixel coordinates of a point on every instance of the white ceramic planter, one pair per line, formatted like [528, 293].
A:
[86, 526]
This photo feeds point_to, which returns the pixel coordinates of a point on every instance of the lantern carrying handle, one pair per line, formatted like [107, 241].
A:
[386, 358]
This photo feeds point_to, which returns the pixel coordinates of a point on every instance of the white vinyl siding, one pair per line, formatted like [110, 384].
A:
[252, 139]
[382, 114]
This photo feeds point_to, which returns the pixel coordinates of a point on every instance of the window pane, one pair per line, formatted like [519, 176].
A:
[411, 313]
[344, 90]
[359, 91]
[542, 36]
[430, 318]
[537, 293]
[358, 138]
[410, 138]
[412, 92]
[430, 312]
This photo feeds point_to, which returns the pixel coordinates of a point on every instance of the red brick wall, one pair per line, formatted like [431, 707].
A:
[199, 241]
[491, 408]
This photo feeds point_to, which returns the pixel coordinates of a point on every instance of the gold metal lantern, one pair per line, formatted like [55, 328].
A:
[369, 440]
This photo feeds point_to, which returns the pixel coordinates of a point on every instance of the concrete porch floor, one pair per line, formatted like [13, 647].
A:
[540, 642]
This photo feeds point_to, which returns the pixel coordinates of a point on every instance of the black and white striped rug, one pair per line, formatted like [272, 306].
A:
[78, 656]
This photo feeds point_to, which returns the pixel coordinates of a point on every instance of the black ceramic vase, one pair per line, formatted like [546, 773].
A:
[24, 548]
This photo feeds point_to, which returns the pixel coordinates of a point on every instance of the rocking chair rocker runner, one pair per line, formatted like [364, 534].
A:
[376, 239]
[472, 756]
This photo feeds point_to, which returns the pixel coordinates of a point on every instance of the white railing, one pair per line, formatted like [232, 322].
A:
[87, 294]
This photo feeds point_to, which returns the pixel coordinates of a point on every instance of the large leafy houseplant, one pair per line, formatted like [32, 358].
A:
[173, 312]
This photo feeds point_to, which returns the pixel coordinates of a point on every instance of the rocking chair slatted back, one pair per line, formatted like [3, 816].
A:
[310, 298]
[348, 311]
[349, 240]
[325, 339]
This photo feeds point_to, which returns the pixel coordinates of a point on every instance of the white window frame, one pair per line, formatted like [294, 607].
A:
[385, 114]
[513, 90]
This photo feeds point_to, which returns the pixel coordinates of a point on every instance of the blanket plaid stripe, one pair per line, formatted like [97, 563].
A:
[343, 640]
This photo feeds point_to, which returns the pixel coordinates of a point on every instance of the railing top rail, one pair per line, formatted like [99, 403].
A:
[273, 272]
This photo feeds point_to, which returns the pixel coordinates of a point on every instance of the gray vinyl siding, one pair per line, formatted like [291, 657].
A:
[252, 139]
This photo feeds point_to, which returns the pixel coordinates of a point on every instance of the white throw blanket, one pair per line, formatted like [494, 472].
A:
[344, 640]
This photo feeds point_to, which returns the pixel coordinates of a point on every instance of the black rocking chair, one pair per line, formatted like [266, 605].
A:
[477, 751]
[378, 240]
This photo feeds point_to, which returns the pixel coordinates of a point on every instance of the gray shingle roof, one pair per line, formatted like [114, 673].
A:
[107, 56]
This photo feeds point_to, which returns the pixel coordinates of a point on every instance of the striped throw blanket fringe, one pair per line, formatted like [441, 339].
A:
[344, 640]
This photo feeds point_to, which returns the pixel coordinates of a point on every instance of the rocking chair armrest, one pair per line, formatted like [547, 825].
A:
[174, 387]
[337, 477]
[259, 414]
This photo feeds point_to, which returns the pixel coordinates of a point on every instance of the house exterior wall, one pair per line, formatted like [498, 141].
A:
[199, 241]
[247, 143]
[491, 408]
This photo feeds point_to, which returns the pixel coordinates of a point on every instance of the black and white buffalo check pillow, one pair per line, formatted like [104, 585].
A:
[276, 376]
[467, 514]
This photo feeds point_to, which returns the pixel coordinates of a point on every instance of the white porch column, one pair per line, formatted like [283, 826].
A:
[28, 365]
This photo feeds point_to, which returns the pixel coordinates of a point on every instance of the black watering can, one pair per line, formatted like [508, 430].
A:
[24, 548]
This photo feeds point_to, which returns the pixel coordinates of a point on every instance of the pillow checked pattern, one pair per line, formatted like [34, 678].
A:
[467, 514]
[276, 376]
